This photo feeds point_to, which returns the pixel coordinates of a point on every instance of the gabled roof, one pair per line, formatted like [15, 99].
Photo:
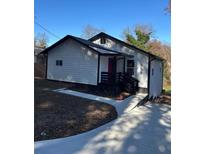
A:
[97, 48]
[102, 34]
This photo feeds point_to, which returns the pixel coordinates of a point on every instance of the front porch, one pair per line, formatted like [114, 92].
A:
[119, 82]
[114, 73]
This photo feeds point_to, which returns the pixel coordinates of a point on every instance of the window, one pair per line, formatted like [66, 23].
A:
[59, 62]
[130, 67]
[102, 40]
[130, 63]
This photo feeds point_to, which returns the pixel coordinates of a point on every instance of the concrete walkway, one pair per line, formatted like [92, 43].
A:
[121, 105]
[142, 130]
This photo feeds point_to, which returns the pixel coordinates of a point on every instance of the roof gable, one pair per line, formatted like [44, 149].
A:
[102, 34]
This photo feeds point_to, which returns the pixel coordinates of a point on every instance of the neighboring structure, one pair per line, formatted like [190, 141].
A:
[104, 59]
[39, 58]
[39, 63]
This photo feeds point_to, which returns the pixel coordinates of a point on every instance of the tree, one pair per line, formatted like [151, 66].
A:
[41, 41]
[142, 36]
[168, 8]
[90, 31]
[164, 51]
[142, 39]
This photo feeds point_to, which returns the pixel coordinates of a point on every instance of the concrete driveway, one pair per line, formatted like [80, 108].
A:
[143, 130]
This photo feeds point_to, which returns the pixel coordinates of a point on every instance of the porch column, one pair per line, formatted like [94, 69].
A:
[115, 66]
[98, 69]
[124, 65]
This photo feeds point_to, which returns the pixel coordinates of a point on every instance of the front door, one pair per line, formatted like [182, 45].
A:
[112, 69]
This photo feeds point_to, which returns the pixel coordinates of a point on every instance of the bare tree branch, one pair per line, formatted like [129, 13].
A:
[41, 40]
[90, 31]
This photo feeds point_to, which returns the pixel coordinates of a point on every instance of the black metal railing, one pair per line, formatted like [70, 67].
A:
[126, 81]
[108, 78]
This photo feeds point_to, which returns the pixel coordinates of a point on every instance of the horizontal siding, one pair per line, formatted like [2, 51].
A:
[79, 63]
[120, 63]
[141, 69]
[103, 65]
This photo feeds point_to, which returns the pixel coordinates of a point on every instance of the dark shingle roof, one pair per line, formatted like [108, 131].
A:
[98, 48]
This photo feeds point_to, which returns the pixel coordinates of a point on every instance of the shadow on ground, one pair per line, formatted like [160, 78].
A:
[144, 130]
[152, 136]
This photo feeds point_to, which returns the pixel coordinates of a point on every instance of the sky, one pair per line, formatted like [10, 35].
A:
[69, 17]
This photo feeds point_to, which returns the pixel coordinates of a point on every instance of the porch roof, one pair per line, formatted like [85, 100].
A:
[102, 50]
[105, 52]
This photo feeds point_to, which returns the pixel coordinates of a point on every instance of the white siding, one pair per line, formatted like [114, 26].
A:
[103, 65]
[120, 65]
[141, 69]
[156, 79]
[79, 63]
[141, 60]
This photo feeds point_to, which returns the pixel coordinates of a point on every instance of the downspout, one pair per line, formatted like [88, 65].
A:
[124, 65]
[148, 83]
[162, 75]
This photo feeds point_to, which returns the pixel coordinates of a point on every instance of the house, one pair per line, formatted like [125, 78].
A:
[104, 60]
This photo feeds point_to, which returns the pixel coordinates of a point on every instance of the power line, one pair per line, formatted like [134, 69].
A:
[46, 30]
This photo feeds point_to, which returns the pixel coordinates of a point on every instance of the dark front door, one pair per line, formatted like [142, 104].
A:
[112, 69]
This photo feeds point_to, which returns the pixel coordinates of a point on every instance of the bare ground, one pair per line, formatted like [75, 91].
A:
[59, 115]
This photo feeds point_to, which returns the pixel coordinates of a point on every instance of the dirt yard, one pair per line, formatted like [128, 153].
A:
[58, 115]
[109, 92]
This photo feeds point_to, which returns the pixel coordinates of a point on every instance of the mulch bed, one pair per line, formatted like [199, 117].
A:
[59, 115]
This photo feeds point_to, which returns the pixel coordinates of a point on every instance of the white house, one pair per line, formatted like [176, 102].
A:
[104, 59]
